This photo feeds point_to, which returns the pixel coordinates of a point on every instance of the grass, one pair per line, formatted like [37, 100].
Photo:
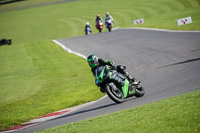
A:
[174, 115]
[38, 77]
[35, 83]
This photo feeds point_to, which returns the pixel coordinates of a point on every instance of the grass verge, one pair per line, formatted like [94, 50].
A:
[35, 83]
[179, 114]
[37, 77]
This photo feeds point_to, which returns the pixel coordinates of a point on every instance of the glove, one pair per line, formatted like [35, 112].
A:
[113, 67]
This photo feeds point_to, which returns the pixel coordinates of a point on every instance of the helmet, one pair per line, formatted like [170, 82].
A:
[97, 15]
[87, 23]
[92, 60]
[107, 13]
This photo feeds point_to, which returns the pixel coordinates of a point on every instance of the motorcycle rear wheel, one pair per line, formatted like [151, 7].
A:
[114, 93]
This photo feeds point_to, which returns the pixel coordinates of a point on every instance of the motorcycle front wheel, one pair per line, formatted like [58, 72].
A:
[109, 28]
[114, 93]
[139, 91]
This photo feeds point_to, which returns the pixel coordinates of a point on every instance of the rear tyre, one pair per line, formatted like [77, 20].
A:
[114, 93]
[139, 91]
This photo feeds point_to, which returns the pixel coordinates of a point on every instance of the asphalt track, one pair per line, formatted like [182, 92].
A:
[167, 63]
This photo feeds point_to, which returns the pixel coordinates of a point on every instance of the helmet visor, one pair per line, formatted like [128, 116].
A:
[92, 63]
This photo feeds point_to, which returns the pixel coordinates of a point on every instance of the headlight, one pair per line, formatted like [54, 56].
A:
[96, 81]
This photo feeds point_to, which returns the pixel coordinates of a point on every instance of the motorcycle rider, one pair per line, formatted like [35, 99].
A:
[95, 62]
[88, 29]
[108, 16]
[98, 18]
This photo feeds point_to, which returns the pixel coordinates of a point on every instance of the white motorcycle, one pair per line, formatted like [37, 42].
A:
[109, 24]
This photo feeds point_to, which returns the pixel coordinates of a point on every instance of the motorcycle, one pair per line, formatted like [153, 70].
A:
[99, 26]
[109, 24]
[116, 85]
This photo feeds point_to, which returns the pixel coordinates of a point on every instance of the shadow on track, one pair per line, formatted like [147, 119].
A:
[183, 62]
[86, 111]
[195, 50]
[92, 109]
[3, 2]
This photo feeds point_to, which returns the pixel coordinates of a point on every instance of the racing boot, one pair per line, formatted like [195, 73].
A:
[122, 69]
[130, 78]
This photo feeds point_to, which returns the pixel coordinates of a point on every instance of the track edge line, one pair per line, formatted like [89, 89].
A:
[155, 29]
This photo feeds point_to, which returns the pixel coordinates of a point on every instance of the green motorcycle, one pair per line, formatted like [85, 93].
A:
[116, 85]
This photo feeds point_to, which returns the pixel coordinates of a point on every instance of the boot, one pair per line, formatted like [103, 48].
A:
[130, 78]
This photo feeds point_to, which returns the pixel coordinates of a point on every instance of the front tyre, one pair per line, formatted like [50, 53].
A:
[114, 93]
[109, 29]
[139, 91]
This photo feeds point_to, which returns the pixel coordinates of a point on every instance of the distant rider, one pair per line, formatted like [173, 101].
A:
[94, 63]
[88, 29]
[98, 19]
[108, 17]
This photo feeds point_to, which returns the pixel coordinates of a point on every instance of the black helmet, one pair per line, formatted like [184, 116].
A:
[92, 60]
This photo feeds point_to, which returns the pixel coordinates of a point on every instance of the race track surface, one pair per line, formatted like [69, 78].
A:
[167, 63]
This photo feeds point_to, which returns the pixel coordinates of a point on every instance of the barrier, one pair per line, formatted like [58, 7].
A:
[184, 21]
[138, 21]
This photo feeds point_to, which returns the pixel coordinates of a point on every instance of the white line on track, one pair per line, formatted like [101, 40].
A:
[143, 28]
[115, 28]
[69, 50]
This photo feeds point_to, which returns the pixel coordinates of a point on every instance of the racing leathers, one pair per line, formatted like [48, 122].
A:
[107, 18]
[88, 30]
[98, 19]
[118, 68]
[102, 62]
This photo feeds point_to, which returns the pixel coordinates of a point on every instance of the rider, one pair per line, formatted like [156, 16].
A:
[98, 18]
[94, 63]
[108, 16]
[87, 27]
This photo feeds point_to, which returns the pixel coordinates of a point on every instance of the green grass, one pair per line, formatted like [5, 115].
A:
[68, 19]
[38, 77]
[174, 115]
[35, 83]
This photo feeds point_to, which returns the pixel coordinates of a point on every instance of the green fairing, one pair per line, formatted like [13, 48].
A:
[111, 63]
[132, 91]
[125, 88]
[107, 67]
[101, 75]
[94, 65]
[110, 73]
